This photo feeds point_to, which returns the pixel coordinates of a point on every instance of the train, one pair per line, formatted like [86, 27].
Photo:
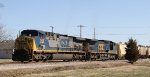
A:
[38, 45]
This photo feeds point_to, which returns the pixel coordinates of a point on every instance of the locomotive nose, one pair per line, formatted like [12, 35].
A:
[23, 49]
[20, 55]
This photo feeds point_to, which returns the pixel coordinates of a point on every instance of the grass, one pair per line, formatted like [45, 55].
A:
[121, 71]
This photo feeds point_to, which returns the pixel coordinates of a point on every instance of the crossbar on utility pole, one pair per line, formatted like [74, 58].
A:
[81, 29]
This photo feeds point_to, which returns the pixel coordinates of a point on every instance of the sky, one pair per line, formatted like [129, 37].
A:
[115, 20]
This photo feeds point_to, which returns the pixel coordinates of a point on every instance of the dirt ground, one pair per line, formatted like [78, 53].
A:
[5, 61]
[120, 68]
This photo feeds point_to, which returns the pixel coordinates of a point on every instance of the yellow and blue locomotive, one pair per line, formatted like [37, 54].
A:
[37, 45]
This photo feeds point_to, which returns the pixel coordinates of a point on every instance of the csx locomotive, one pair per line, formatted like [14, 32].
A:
[37, 45]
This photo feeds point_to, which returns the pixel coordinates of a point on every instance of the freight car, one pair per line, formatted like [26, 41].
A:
[144, 51]
[37, 45]
[121, 50]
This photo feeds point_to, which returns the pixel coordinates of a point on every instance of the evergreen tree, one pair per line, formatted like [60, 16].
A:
[132, 52]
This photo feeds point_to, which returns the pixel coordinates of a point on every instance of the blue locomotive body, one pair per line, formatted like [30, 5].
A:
[49, 45]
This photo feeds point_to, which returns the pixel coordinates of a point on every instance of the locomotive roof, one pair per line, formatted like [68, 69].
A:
[105, 40]
[77, 38]
[40, 31]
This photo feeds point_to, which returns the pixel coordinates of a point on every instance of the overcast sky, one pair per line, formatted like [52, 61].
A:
[115, 20]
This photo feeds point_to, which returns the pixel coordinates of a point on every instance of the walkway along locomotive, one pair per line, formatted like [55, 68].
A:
[37, 45]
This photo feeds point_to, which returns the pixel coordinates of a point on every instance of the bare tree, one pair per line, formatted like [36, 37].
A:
[3, 35]
[5, 41]
[2, 31]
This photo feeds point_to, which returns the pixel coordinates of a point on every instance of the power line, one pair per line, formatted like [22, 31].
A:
[124, 27]
[124, 34]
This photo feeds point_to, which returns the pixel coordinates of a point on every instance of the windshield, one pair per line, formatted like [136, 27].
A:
[29, 33]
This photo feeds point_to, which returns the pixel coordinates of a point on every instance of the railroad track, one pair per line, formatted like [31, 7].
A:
[50, 61]
[26, 62]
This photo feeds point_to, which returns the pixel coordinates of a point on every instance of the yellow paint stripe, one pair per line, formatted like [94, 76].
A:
[55, 51]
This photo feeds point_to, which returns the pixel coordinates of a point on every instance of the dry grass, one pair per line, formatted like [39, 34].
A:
[103, 69]
[123, 71]
[84, 69]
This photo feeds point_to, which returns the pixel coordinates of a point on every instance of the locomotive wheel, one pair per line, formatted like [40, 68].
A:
[44, 60]
[30, 60]
[36, 60]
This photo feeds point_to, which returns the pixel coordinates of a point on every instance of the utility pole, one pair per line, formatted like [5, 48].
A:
[81, 29]
[52, 28]
[94, 33]
[19, 33]
[52, 32]
[94, 37]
